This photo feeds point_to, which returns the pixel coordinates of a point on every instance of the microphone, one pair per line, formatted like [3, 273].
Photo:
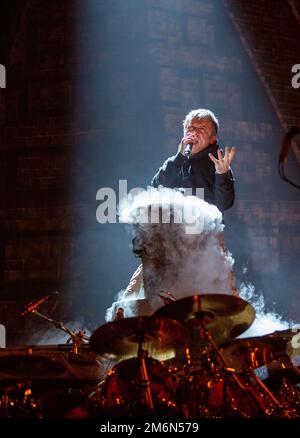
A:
[188, 149]
[286, 143]
[33, 305]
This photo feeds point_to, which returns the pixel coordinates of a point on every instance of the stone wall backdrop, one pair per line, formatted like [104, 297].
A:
[96, 92]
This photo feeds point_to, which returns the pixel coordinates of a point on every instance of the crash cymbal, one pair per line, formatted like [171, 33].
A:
[225, 316]
[30, 366]
[120, 339]
[291, 338]
[255, 352]
[286, 335]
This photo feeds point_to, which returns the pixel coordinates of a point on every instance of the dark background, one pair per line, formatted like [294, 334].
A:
[96, 92]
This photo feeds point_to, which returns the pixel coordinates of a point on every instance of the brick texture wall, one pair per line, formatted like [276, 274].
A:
[136, 85]
[269, 31]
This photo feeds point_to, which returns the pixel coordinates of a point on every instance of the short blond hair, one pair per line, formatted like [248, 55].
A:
[199, 114]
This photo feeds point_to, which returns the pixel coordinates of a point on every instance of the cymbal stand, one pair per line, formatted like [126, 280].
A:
[78, 338]
[287, 363]
[143, 380]
[291, 398]
[275, 403]
[229, 372]
[264, 388]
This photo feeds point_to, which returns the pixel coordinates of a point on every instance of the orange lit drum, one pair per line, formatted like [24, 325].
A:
[120, 393]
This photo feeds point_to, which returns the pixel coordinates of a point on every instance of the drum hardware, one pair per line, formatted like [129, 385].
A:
[26, 367]
[77, 338]
[139, 338]
[251, 354]
[34, 305]
[282, 378]
[19, 402]
[225, 316]
[143, 380]
[122, 392]
[215, 317]
[32, 372]
[290, 397]
[118, 340]
[39, 382]
[181, 361]
[230, 376]
[274, 406]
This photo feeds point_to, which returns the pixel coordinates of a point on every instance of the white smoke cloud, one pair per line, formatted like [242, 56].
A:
[265, 322]
[193, 213]
[182, 239]
[131, 306]
[193, 263]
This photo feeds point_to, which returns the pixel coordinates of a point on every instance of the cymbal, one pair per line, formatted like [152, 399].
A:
[30, 366]
[253, 352]
[225, 316]
[291, 348]
[120, 339]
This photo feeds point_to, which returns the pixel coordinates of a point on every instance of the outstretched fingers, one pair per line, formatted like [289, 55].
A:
[215, 160]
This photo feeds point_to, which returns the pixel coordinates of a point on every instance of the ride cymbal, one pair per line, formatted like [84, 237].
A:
[225, 316]
[120, 339]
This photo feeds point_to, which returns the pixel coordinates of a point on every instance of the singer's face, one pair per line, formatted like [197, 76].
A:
[204, 134]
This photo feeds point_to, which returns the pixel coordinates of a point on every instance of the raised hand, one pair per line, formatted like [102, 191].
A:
[222, 164]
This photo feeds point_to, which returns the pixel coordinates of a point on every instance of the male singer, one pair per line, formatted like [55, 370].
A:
[199, 163]
[206, 167]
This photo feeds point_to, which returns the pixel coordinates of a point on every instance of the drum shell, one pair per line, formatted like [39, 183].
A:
[121, 394]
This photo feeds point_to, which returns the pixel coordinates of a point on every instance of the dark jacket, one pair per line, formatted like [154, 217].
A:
[198, 172]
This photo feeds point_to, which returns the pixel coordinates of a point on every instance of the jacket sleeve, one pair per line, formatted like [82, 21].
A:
[168, 173]
[224, 190]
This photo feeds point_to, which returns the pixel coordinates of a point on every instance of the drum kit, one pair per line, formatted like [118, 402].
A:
[183, 361]
[46, 380]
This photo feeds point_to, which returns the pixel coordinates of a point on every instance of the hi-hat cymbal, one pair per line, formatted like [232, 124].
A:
[120, 339]
[30, 366]
[225, 316]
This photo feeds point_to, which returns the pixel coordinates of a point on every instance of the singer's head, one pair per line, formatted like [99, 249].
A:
[204, 126]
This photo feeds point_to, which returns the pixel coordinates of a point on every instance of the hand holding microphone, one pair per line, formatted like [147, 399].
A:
[187, 143]
[188, 150]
